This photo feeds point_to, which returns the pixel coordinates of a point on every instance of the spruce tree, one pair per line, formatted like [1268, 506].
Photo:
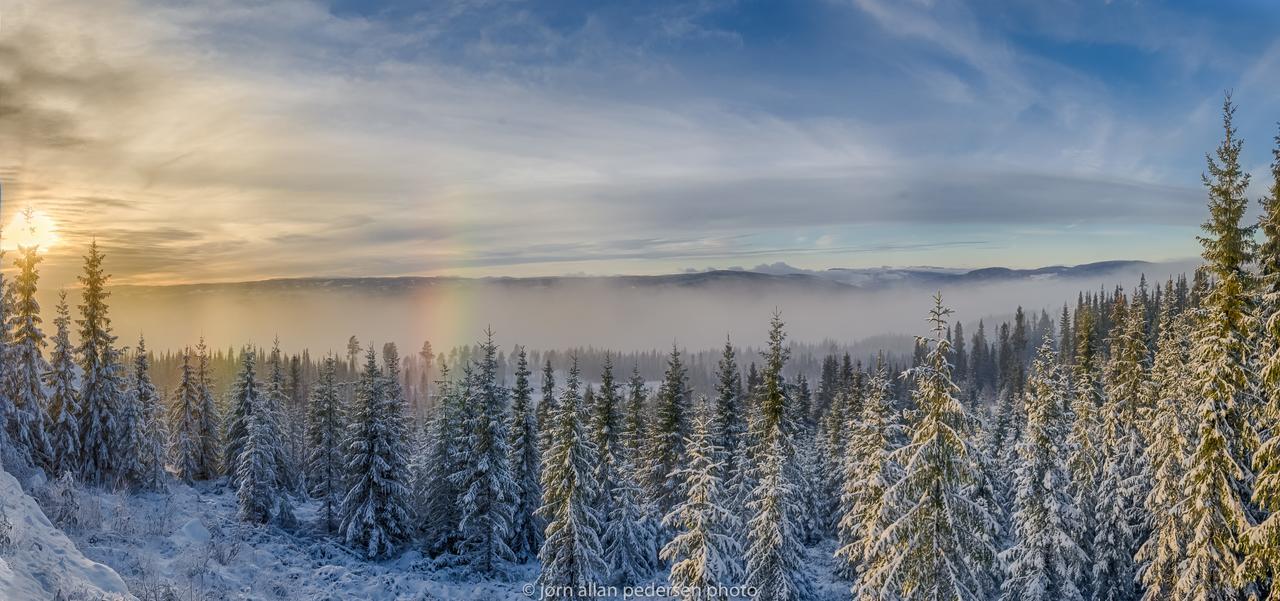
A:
[64, 399]
[144, 427]
[30, 421]
[445, 439]
[101, 380]
[630, 536]
[254, 476]
[526, 528]
[571, 554]
[546, 407]
[209, 419]
[487, 492]
[1045, 563]
[325, 434]
[1219, 476]
[941, 546]
[606, 428]
[245, 395]
[670, 429]
[375, 509]
[184, 423]
[704, 554]
[275, 399]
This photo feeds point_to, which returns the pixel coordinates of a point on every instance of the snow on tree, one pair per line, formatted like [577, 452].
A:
[244, 401]
[487, 492]
[142, 428]
[184, 423]
[438, 509]
[275, 398]
[705, 553]
[30, 424]
[64, 400]
[729, 421]
[101, 385]
[673, 412]
[325, 435]
[522, 444]
[1219, 477]
[546, 408]
[571, 554]
[868, 471]
[375, 509]
[942, 542]
[1161, 554]
[775, 555]
[606, 426]
[209, 420]
[255, 461]
[1084, 442]
[1263, 561]
[1118, 531]
[1045, 563]
[631, 535]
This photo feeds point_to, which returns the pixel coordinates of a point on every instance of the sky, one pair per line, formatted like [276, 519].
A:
[239, 140]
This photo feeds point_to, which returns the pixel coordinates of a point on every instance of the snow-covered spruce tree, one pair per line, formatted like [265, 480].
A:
[1120, 529]
[546, 407]
[255, 461]
[1045, 563]
[29, 425]
[571, 554]
[775, 554]
[846, 407]
[1219, 476]
[1263, 561]
[941, 545]
[209, 419]
[438, 514]
[101, 379]
[275, 398]
[245, 393]
[146, 432]
[673, 411]
[375, 509]
[64, 400]
[1170, 440]
[325, 434]
[8, 416]
[606, 428]
[630, 538]
[130, 438]
[868, 471]
[522, 444]
[729, 425]
[184, 423]
[1084, 442]
[487, 491]
[705, 554]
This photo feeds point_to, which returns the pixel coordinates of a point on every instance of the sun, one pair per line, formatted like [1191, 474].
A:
[30, 228]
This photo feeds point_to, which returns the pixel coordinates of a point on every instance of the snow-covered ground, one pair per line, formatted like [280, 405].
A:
[187, 545]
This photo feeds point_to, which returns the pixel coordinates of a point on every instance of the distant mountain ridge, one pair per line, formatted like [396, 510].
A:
[768, 276]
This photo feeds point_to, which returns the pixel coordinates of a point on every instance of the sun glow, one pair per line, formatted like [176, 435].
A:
[30, 228]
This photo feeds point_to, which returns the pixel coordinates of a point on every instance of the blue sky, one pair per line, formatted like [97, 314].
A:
[275, 138]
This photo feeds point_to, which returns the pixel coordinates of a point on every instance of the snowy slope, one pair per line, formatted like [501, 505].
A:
[40, 560]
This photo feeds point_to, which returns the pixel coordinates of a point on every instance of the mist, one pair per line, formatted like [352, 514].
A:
[558, 313]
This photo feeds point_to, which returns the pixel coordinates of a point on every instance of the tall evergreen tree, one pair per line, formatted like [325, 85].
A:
[209, 419]
[143, 427]
[1045, 564]
[325, 434]
[275, 399]
[64, 399]
[1219, 476]
[670, 429]
[254, 476]
[704, 554]
[526, 528]
[630, 536]
[942, 544]
[868, 470]
[30, 420]
[606, 430]
[184, 424]
[546, 408]
[101, 380]
[571, 554]
[375, 509]
[1263, 562]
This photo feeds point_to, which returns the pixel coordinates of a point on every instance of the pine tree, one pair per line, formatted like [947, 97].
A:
[245, 395]
[1219, 477]
[571, 554]
[941, 546]
[546, 408]
[184, 424]
[606, 427]
[445, 438]
[1264, 547]
[101, 385]
[630, 537]
[209, 420]
[375, 509]
[1045, 563]
[526, 528]
[325, 434]
[30, 424]
[1084, 444]
[487, 492]
[1161, 554]
[868, 471]
[775, 557]
[275, 398]
[131, 438]
[704, 554]
[144, 427]
[670, 429]
[254, 476]
[64, 400]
